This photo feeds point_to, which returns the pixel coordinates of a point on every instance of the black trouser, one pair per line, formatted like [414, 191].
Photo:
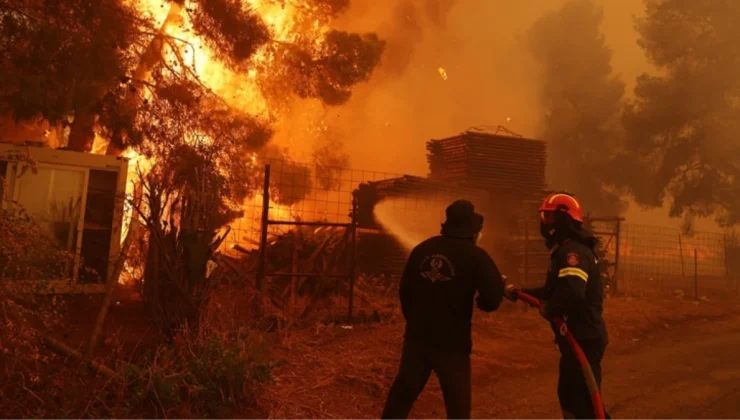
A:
[417, 363]
[573, 393]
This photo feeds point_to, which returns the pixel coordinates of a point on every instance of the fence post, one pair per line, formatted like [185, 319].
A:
[616, 256]
[297, 238]
[696, 276]
[526, 261]
[526, 253]
[728, 282]
[352, 257]
[680, 250]
[263, 239]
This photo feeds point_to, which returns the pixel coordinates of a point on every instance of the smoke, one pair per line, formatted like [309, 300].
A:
[404, 25]
[581, 101]
[492, 76]
[486, 84]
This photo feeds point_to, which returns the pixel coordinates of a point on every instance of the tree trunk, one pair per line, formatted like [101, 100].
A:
[149, 59]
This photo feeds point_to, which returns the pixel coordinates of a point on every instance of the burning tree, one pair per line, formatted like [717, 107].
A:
[195, 86]
[60, 58]
[681, 142]
[66, 63]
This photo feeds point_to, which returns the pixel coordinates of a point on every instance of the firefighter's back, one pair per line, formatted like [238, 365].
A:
[442, 279]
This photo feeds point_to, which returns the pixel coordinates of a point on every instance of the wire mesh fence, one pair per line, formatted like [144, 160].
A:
[641, 259]
[298, 192]
[411, 208]
[394, 212]
[654, 257]
[313, 217]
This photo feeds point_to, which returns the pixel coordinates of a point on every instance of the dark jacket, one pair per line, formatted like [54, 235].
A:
[437, 289]
[574, 290]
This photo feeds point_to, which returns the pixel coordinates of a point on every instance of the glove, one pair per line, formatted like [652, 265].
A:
[510, 292]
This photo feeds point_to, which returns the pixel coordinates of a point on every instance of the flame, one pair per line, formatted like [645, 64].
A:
[100, 144]
[442, 73]
[238, 91]
[241, 90]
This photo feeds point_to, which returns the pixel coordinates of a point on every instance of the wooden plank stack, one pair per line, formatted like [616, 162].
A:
[504, 175]
[505, 164]
[512, 170]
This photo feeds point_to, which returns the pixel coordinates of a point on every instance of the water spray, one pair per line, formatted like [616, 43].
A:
[410, 227]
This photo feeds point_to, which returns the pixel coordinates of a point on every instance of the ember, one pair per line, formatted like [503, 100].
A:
[442, 73]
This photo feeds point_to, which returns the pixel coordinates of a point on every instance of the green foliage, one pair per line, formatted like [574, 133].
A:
[209, 378]
[681, 143]
[214, 375]
[26, 250]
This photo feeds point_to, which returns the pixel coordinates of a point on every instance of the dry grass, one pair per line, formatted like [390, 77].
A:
[326, 369]
[323, 364]
[336, 372]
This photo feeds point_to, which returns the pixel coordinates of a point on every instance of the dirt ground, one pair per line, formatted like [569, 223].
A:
[668, 358]
[661, 351]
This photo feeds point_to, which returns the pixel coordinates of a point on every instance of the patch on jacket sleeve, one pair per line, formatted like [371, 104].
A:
[573, 259]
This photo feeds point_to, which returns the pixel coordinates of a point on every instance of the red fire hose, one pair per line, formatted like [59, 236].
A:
[588, 374]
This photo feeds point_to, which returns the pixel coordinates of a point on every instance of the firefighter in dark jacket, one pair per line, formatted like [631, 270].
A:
[437, 291]
[574, 291]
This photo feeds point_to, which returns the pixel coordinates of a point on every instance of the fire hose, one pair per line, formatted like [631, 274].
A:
[588, 374]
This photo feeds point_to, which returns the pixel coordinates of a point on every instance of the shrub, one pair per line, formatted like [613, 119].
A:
[199, 377]
[25, 253]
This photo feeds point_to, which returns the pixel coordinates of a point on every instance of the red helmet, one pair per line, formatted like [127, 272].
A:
[560, 202]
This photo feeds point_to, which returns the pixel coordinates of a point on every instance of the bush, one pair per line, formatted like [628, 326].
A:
[26, 253]
[217, 377]
[201, 377]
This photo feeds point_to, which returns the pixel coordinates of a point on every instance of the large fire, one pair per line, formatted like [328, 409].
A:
[241, 90]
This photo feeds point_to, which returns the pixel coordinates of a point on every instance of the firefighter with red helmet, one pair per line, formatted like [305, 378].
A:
[573, 291]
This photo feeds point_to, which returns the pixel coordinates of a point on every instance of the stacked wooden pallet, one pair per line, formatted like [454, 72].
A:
[512, 170]
[493, 162]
